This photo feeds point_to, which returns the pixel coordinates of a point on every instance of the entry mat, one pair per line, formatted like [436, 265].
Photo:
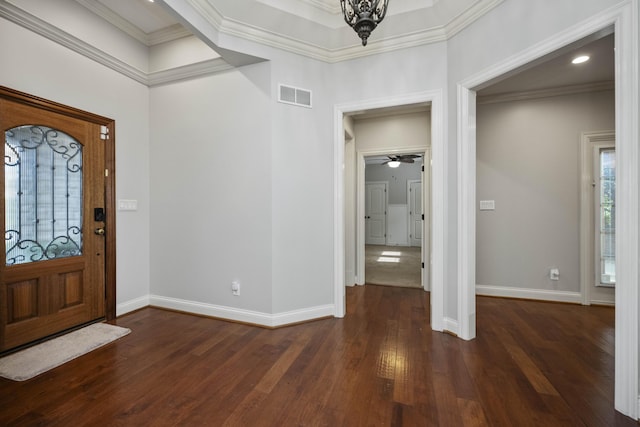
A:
[47, 355]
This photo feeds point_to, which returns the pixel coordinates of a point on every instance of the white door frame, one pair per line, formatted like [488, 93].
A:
[589, 141]
[624, 18]
[438, 216]
[409, 211]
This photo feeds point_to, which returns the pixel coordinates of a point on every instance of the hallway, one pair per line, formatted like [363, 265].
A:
[393, 266]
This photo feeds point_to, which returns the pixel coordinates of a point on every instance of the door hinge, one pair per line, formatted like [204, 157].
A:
[422, 168]
[423, 265]
[104, 132]
[106, 172]
[423, 217]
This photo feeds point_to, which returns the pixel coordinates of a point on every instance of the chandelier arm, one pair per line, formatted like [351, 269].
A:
[384, 9]
[348, 16]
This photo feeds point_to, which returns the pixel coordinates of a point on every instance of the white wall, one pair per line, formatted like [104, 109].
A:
[302, 179]
[528, 159]
[397, 179]
[80, 22]
[211, 207]
[45, 69]
[384, 132]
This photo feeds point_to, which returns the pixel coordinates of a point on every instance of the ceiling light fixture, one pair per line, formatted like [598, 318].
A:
[394, 163]
[364, 15]
[580, 59]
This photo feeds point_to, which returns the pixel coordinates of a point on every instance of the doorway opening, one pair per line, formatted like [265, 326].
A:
[349, 215]
[623, 20]
[393, 217]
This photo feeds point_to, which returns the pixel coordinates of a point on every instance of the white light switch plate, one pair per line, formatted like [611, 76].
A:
[487, 205]
[127, 205]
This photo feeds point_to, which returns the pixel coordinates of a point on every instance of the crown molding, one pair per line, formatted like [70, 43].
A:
[190, 71]
[470, 15]
[167, 34]
[547, 93]
[262, 36]
[149, 39]
[115, 19]
[323, 5]
[48, 31]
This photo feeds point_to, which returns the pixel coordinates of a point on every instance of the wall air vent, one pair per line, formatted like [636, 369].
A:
[294, 96]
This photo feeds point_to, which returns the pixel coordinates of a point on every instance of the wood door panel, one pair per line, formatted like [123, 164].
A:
[72, 289]
[22, 301]
[46, 304]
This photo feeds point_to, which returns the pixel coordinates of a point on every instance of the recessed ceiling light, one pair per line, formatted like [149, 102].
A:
[580, 59]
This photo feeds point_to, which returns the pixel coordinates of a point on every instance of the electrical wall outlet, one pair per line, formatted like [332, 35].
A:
[554, 274]
[235, 288]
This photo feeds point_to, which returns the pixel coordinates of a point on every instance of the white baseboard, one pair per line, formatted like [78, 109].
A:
[451, 325]
[534, 294]
[132, 305]
[240, 315]
[603, 302]
[302, 315]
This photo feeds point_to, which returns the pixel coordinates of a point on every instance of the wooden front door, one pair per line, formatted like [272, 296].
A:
[52, 275]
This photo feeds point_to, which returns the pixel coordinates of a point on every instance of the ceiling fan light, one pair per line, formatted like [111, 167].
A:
[394, 164]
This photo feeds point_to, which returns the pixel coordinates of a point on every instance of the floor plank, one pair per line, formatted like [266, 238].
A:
[532, 364]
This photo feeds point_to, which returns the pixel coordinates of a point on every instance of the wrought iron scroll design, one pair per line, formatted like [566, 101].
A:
[43, 194]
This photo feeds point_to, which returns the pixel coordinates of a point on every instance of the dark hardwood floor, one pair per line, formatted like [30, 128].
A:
[533, 364]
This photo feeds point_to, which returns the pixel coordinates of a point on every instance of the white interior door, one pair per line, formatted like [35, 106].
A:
[376, 213]
[415, 212]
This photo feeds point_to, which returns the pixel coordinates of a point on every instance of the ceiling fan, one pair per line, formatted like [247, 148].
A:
[394, 161]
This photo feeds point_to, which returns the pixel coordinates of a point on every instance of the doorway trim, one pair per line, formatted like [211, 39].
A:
[438, 216]
[624, 18]
[410, 212]
[110, 188]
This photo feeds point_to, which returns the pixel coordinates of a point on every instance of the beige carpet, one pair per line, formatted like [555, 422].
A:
[393, 266]
[40, 358]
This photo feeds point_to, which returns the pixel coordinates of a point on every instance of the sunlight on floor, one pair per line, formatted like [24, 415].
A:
[391, 253]
[388, 259]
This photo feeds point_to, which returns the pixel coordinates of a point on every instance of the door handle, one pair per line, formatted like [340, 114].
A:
[99, 231]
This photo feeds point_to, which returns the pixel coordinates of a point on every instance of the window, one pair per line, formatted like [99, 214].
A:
[43, 194]
[606, 217]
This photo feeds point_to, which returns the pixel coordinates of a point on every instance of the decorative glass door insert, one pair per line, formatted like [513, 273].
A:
[43, 194]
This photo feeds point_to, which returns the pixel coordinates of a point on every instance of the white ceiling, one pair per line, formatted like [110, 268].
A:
[556, 70]
[147, 16]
